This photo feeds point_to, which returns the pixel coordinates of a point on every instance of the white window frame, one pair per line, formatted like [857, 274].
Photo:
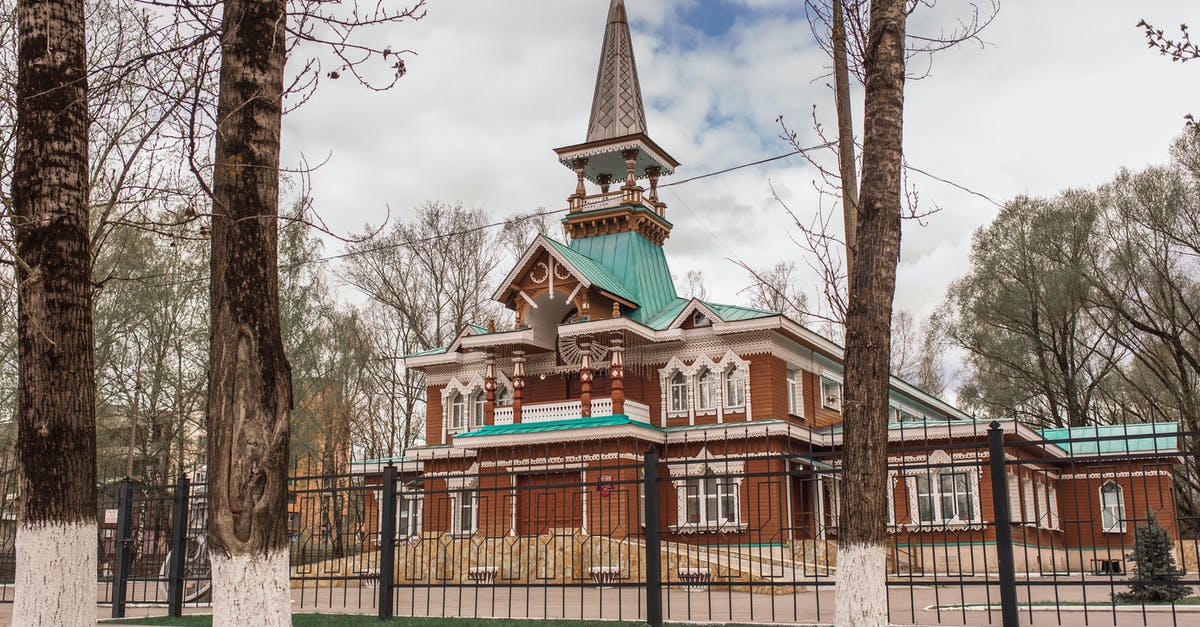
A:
[677, 393]
[692, 484]
[456, 408]
[836, 403]
[795, 391]
[1055, 520]
[408, 516]
[457, 508]
[706, 390]
[1112, 516]
[935, 495]
[478, 408]
[719, 492]
[733, 383]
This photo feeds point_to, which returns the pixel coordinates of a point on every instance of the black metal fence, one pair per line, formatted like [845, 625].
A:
[999, 526]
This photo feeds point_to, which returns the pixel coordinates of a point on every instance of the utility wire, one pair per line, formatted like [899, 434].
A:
[474, 229]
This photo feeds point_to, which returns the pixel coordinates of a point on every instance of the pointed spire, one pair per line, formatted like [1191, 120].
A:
[617, 108]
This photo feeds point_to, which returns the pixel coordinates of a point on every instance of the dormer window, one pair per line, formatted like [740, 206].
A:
[699, 319]
[679, 394]
[706, 391]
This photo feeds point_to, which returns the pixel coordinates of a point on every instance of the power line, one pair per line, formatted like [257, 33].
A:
[466, 231]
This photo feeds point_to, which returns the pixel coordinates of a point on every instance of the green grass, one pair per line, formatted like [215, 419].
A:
[361, 620]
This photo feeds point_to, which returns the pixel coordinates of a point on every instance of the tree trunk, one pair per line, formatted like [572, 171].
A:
[861, 587]
[847, 167]
[250, 389]
[56, 419]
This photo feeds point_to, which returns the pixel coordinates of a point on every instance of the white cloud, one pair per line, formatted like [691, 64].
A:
[1065, 94]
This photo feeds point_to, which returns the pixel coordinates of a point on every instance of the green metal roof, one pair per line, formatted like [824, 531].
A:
[662, 319]
[731, 313]
[432, 351]
[600, 276]
[638, 264]
[1129, 438]
[615, 420]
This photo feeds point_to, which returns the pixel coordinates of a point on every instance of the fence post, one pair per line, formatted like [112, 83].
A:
[653, 544]
[1004, 545]
[387, 538]
[179, 537]
[123, 543]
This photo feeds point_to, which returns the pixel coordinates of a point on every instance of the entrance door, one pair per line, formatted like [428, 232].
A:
[549, 501]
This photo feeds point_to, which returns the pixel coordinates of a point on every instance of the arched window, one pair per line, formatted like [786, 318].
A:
[1112, 507]
[458, 411]
[706, 390]
[477, 403]
[679, 394]
[735, 387]
[503, 397]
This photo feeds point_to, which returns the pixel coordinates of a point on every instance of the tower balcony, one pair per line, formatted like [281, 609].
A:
[567, 410]
[615, 198]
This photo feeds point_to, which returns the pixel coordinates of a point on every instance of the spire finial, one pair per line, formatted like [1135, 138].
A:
[617, 108]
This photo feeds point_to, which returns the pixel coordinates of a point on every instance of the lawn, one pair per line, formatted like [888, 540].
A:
[360, 620]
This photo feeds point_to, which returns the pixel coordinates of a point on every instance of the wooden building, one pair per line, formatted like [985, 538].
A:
[606, 360]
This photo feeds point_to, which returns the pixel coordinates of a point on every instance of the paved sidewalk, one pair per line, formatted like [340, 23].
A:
[908, 607]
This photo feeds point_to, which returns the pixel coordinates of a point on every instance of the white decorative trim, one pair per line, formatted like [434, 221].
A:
[940, 457]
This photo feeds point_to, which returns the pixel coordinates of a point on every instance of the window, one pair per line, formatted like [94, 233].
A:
[899, 414]
[408, 517]
[466, 511]
[735, 388]
[1014, 498]
[503, 397]
[1043, 509]
[1112, 508]
[706, 390]
[956, 496]
[711, 501]
[945, 497]
[794, 392]
[1053, 507]
[831, 393]
[925, 501]
[679, 394]
[477, 404]
[699, 319]
[458, 411]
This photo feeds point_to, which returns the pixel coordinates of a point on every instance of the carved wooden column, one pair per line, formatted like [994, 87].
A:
[616, 371]
[489, 390]
[585, 379]
[633, 193]
[518, 383]
[576, 199]
[653, 172]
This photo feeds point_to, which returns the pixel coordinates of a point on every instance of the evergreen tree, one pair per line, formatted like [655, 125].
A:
[1155, 578]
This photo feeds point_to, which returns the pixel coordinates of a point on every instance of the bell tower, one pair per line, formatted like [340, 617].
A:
[618, 151]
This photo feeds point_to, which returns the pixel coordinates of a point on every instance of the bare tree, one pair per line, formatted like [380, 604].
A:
[1178, 49]
[862, 537]
[777, 289]
[693, 285]
[56, 440]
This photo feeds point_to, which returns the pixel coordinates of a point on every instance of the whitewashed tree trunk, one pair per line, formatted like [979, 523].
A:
[861, 599]
[56, 425]
[250, 385]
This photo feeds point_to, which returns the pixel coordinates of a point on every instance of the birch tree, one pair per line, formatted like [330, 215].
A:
[56, 431]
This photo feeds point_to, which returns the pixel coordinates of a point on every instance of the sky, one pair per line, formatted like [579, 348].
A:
[1060, 95]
